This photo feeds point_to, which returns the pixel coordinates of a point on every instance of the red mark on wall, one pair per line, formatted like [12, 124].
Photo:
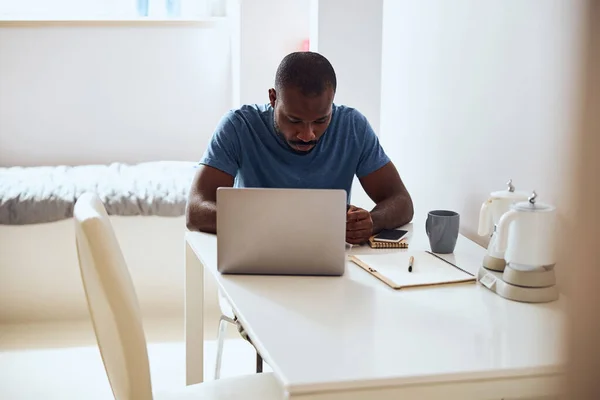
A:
[306, 45]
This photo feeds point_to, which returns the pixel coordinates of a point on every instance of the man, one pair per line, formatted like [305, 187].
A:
[301, 139]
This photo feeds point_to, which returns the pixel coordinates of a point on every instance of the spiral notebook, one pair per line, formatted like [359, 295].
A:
[428, 270]
[403, 244]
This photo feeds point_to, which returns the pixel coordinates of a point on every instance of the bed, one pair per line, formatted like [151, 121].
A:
[39, 277]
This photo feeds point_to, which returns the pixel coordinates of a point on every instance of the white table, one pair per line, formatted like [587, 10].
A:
[353, 337]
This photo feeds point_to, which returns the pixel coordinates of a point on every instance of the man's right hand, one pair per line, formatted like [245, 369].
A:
[359, 225]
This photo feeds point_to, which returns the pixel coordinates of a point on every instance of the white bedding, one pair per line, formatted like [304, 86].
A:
[30, 195]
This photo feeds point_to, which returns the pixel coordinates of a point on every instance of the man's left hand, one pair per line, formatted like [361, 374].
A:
[359, 225]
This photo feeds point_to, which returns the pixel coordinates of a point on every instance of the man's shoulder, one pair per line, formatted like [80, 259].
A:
[238, 121]
[348, 114]
[247, 112]
[350, 119]
[345, 111]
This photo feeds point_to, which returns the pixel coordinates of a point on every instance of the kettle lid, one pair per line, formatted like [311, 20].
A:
[509, 193]
[532, 204]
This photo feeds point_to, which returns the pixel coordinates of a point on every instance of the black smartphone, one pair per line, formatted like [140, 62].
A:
[390, 235]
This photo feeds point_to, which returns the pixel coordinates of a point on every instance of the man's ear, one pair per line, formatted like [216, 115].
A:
[272, 97]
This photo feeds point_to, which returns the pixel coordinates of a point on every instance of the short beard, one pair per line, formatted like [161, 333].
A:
[278, 133]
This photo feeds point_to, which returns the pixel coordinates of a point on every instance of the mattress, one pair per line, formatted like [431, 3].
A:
[33, 195]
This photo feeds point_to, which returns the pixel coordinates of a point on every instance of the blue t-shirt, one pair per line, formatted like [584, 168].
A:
[245, 146]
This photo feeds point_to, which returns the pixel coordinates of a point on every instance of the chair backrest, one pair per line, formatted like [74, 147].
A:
[112, 302]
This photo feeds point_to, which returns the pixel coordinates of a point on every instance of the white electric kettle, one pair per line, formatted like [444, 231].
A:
[490, 213]
[526, 233]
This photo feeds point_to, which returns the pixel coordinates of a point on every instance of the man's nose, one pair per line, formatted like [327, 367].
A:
[306, 134]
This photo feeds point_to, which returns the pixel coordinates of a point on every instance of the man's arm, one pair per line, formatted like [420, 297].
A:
[394, 206]
[217, 168]
[201, 210]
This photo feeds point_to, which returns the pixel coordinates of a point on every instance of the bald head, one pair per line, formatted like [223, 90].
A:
[306, 71]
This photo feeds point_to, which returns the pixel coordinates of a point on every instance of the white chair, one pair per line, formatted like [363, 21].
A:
[117, 320]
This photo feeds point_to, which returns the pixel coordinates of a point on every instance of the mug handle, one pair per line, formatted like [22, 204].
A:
[427, 225]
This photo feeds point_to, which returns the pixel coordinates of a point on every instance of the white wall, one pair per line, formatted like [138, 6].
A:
[348, 33]
[90, 9]
[475, 93]
[73, 93]
[96, 93]
[268, 31]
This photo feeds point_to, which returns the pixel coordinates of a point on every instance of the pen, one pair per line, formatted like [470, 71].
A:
[410, 263]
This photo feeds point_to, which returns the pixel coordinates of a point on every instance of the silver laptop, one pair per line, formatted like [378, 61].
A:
[281, 231]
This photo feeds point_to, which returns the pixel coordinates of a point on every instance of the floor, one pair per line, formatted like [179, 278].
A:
[54, 361]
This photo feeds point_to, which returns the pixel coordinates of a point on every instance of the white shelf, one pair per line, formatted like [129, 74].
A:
[33, 21]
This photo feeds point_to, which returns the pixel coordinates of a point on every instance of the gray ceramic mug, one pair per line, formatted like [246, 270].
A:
[442, 229]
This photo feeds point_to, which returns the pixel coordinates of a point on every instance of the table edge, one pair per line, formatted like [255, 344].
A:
[426, 380]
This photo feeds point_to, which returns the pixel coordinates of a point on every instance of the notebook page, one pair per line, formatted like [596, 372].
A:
[427, 269]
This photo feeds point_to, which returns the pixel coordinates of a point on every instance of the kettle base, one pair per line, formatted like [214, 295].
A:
[494, 281]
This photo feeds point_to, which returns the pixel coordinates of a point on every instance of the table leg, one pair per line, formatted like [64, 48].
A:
[194, 317]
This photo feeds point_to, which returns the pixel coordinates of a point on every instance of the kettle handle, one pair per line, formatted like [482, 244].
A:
[502, 229]
[485, 219]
